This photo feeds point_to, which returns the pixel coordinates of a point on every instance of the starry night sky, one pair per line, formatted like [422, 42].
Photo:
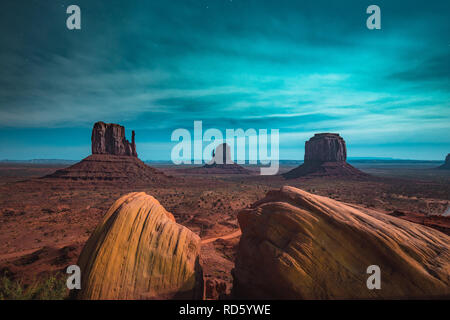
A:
[298, 66]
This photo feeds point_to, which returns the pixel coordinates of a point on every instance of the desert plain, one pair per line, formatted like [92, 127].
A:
[45, 222]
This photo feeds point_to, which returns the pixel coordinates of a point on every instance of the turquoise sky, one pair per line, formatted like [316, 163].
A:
[154, 66]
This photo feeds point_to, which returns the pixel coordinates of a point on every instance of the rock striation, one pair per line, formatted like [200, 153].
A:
[446, 165]
[325, 155]
[113, 159]
[138, 251]
[109, 138]
[296, 245]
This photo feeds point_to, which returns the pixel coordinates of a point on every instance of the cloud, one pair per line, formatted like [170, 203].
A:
[299, 66]
[435, 69]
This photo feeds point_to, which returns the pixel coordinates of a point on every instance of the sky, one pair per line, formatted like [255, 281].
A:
[301, 67]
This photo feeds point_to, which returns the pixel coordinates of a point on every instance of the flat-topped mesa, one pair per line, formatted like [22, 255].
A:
[109, 138]
[325, 147]
[325, 155]
[446, 165]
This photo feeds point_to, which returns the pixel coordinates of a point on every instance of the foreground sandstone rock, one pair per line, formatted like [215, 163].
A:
[325, 155]
[296, 245]
[138, 251]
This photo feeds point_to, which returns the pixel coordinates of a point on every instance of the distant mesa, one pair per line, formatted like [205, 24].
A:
[138, 251]
[296, 245]
[325, 155]
[221, 155]
[446, 165]
[113, 158]
[221, 163]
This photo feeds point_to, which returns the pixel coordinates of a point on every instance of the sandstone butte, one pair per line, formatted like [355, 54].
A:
[109, 138]
[296, 245]
[138, 251]
[113, 158]
[325, 155]
[221, 163]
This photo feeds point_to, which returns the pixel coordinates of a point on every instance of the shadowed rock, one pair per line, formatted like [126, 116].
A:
[138, 251]
[296, 245]
[325, 155]
[109, 138]
[325, 147]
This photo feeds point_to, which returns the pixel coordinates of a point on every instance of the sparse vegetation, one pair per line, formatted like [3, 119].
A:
[51, 288]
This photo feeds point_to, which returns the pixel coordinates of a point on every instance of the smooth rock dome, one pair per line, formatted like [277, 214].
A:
[138, 251]
[296, 245]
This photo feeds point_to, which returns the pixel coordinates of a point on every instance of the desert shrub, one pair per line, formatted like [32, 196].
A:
[50, 288]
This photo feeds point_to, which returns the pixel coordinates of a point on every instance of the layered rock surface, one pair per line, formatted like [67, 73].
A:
[296, 245]
[325, 155]
[138, 251]
[446, 165]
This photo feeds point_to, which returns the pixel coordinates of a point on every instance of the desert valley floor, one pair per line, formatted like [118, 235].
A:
[44, 223]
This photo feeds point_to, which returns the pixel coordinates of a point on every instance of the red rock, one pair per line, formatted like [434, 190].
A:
[113, 159]
[296, 245]
[325, 147]
[215, 289]
[104, 167]
[325, 155]
[438, 222]
[109, 138]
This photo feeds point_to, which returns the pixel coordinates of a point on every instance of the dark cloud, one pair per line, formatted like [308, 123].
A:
[436, 68]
